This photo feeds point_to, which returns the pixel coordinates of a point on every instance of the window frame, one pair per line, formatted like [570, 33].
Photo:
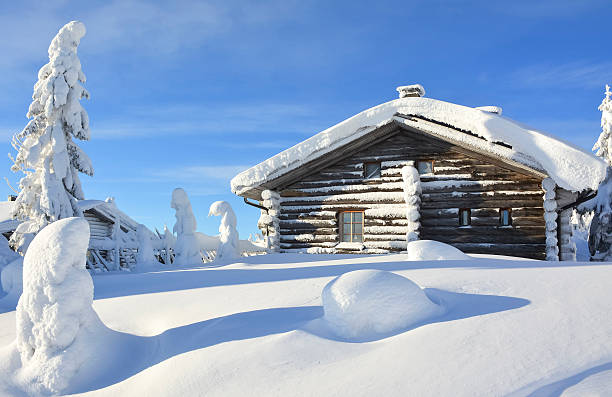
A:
[469, 218]
[365, 167]
[501, 210]
[341, 224]
[426, 161]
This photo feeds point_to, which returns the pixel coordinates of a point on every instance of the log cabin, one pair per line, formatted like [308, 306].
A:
[484, 183]
[113, 240]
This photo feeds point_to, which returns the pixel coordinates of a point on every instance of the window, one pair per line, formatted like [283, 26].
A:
[425, 167]
[505, 217]
[371, 170]
[465, 217]
[351, 226]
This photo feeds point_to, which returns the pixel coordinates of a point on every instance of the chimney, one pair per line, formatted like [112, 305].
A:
[491, 109]
[11, 197]
[414, 90]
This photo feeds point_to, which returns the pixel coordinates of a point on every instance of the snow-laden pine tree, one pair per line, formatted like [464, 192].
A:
[46, 154]
[600, 232]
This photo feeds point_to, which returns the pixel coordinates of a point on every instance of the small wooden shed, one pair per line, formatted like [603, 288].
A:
[485, 183]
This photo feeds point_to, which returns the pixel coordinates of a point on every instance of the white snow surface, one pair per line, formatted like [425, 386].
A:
[430, 250]
[364, 304]
[571, 167]
[512, 327]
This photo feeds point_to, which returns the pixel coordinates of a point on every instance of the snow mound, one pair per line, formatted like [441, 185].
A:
[429, 250]
[367, 303]
[56, 323]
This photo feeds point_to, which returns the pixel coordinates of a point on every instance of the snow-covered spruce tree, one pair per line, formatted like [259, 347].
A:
[412, 192]
[46, 154]
[228, 249]
[600, 232]
[187, 247]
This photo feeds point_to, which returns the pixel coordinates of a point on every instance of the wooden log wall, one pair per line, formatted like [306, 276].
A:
[310, 207]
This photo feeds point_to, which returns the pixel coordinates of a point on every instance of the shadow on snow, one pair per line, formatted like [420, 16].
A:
[149, 351]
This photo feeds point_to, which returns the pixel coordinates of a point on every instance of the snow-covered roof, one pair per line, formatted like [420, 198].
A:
[571, 167]
[109, 209]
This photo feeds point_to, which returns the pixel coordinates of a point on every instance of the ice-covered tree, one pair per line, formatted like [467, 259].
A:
[228, 249]
[187, 247]
[600, 232]
[47, 154]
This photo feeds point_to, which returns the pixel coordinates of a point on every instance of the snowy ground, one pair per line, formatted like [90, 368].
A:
[514, 327]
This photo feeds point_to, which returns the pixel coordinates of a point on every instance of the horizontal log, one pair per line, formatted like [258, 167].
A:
[481, 237]
[316, 231]
[506, 203]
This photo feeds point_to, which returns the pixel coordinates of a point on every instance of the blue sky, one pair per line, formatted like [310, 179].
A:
[187, 94]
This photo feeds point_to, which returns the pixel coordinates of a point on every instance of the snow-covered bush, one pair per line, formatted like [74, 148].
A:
[412, 193]
[55, 319]
[365, 304]
[145, 255]
[186, 248]
[46, 154]
[429, 250]
[228, 248]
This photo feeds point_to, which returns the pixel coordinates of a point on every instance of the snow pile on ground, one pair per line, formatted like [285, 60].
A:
[365, 304]
[55, 319]
[430, 250]
[570, 166]
[228, 248]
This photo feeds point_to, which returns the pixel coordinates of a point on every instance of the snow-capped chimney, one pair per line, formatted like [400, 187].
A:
[414, 90]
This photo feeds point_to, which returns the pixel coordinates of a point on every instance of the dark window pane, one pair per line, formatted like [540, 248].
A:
[505, 218]
[464, 217]
[357, 217]
[346, 237]
[372, 170]
[357, 228]
[357, 238]
[347, 217]
[425, 167]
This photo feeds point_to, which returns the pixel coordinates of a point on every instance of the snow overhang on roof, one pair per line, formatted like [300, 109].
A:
[571, 167]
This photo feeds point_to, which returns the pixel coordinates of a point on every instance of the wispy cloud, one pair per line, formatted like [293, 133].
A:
[562, 76]
[199, 173]
[188, 119]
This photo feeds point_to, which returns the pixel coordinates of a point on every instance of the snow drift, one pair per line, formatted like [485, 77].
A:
[429, 250]
[367, 303]
[56, 323]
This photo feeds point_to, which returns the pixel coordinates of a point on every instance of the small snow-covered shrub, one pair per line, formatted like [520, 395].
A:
[56, 323]
[429, 250]
[228, 248]
[187, 247]
[145, 256]
[367, 303]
